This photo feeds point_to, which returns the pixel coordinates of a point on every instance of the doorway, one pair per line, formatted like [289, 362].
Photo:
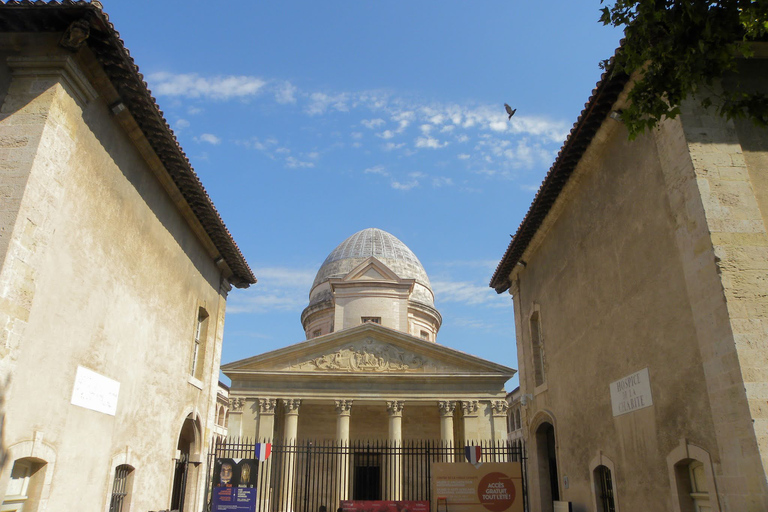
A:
[546, 455]
[367, 477]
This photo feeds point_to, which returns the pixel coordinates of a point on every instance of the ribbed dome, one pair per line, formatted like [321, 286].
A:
[384, 247]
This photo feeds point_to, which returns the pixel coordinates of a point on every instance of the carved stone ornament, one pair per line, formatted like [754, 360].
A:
[469, 407]
[368, 356]
[395, 407]
[292, 405]
[344, 407]
[446, 407]
[75, 35]
[236, 404]
[500, 407]
[267, 405]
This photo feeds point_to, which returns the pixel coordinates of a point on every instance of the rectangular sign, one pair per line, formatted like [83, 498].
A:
[94, 391]
[489, 487]
[631, 393]
[384, 506]
[233, 499]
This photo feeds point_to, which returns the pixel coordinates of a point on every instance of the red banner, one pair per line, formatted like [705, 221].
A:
[384, 506]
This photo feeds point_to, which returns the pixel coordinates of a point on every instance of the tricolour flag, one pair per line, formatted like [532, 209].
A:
[473, 453]
[263, 451]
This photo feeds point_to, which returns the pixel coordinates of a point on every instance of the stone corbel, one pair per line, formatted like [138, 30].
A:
[267, 405]
[446, 407]
[469, 407]
[236, 404]
[292, 405]
[344, 407]
[500, 407]
[395, 407]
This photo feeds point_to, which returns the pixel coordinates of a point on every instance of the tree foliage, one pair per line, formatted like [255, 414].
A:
[682, 48]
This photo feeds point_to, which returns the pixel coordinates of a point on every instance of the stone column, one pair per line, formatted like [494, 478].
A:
[344, 410]
[395, 476]
[290, 433]
[235, 427]
[446, 427]
[499, 426]
[266, 432]
[470, 408]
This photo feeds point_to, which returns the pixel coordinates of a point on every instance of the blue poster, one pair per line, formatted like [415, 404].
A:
[234, 499]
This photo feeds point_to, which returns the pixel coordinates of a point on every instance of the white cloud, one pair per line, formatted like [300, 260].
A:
[280, 289]
[389, 146]
[379, 169]
[194, 110]
[286, 93]
[430, 142]
[441, 181]
[192, 85]
[405, 186]
[181, 124]
[466, 292]
[386, 134]
[208, 138]
[463, 156]
[321, 102]
[357, 135]
[425, 128]
[294, 163]
[373, 123]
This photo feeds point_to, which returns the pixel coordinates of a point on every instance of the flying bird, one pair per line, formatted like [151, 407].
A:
[509, 110]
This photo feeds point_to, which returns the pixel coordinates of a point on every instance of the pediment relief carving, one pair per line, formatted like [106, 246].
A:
[370, 356]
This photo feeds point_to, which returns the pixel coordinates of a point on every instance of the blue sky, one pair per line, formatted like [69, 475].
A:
[309, 121]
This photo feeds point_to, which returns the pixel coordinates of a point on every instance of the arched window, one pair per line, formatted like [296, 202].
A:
[604, 489]
[537, 346]
[226, 419]
[699, 492]
[25, 485]
[121, 488]
[692, 479]
[518, 425]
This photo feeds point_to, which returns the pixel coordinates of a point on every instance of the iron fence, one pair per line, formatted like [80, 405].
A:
[304, 475]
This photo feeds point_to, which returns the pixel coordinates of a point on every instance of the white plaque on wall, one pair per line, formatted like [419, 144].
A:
[631, 393]
[94, 391]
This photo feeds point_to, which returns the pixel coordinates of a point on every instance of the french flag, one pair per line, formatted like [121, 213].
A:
[263, 451]
[473, 453]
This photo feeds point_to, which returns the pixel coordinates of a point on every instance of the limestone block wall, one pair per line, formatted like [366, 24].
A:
[99, 270]
[606, 279]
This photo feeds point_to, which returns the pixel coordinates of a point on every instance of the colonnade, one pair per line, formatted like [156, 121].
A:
[265, 426]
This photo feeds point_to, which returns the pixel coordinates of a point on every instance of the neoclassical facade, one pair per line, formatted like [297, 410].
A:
[370, 367]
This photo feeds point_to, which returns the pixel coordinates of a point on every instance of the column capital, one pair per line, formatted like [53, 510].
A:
[500, 407]
[291, 405]
[446, 407]
[267, 405]
[236, 404]
[469, 407]
[344, 407]
[395, 407]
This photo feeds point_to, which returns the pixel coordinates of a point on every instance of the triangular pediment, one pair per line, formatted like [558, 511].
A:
[371, 270]
[368, 349]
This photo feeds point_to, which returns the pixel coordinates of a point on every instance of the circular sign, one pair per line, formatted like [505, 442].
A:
[496, 492]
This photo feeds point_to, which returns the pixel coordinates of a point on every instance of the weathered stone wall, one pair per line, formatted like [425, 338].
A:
[100, 270]
[654, 257]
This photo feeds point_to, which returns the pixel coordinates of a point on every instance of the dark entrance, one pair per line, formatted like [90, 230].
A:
[367, 477]
[181, 475]
[547, 461]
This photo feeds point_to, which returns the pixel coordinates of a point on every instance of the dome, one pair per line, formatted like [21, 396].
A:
[384, 247]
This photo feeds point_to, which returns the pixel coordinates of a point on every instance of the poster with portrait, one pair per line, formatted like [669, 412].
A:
[235, 472]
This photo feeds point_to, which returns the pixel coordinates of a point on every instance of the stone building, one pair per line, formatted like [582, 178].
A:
[640, 285]
[371, 367]
[114, 273]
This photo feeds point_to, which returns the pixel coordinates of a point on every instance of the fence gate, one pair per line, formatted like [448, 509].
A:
[303, 476]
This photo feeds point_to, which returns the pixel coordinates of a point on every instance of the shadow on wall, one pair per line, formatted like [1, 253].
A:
[3, 452]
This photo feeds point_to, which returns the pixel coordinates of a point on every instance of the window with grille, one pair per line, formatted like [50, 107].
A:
[537, 344]
[120, 488]
[605, 499]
